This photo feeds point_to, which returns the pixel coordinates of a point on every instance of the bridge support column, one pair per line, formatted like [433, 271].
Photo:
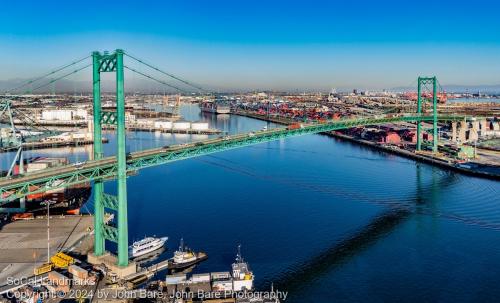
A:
[462, 132]
[424, 81]
[97, 136]
[122, 164]
[419, 111]
[474, 131]
[435, 134]
[454, 131]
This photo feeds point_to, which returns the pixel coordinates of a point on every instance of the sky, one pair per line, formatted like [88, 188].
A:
[278, 45]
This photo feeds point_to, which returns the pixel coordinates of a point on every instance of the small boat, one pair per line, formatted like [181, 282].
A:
[185, 257]
[146, 245]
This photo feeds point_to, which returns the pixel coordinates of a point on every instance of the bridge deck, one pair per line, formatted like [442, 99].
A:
[59, 177]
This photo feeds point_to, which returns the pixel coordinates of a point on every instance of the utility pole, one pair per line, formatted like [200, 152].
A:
[48, 203]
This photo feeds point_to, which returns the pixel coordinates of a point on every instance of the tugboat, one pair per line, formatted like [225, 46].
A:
[185, 257]
[146, 245]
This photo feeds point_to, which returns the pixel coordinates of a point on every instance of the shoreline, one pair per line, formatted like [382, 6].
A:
[416, 157]
[401, 152]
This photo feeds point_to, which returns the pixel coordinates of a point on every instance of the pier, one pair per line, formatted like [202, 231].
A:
[145, 273]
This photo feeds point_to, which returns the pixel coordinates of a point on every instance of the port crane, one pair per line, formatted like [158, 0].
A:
[13, 136]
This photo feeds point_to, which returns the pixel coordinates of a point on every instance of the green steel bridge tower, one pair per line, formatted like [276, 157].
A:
[423, 81]
[103, 63]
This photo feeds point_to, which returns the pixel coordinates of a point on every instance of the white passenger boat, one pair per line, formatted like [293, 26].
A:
[145, 246]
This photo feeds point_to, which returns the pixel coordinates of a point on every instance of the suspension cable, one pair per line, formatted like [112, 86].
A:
[165, 73]
[30, 121]
[46, 75]
[63, 76]
[157, 80]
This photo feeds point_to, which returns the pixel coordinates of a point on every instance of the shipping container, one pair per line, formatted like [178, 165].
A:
[42, 269]
[201, 278]
[295, 126]
[220, 275]
[78, 272]
[222, 285]
[175, 279]
[58, 280]
[61, 260]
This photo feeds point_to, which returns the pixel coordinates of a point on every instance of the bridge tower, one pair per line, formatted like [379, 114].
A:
[102, 63]
[423, 82]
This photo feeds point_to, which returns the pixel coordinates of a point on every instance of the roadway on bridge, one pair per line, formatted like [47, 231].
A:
[40, 181]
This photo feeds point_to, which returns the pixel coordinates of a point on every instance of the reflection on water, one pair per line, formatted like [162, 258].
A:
[307, 272]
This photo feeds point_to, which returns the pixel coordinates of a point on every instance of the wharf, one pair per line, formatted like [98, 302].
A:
[52, 144]
[23, 243]
[73, 123]
[274, 119]
[482, 170]
[490, 174]
[145, 273]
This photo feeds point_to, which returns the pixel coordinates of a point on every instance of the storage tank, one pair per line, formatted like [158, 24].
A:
[198, 278]
[199, 125]
[79, 136]
[58, 114]
[183, 125]
[163, 124]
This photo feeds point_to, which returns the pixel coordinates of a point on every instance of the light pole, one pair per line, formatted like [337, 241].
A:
[48, 203]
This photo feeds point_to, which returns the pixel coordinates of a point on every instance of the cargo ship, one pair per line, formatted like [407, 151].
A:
[215, 107]
[62, 200]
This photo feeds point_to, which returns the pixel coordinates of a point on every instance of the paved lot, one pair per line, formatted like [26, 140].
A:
[24, 243]
[488, 156]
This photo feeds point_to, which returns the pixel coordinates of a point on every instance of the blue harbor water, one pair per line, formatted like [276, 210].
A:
[325, 220]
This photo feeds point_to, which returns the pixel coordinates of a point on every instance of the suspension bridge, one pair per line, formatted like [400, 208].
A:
[116, 167]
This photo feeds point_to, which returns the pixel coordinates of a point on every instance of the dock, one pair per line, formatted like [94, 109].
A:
[145, 273]
[421, 157]
[268, 118]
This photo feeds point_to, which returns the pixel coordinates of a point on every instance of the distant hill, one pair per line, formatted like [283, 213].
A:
[147, 86]
[69, 86]
[490, 89]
